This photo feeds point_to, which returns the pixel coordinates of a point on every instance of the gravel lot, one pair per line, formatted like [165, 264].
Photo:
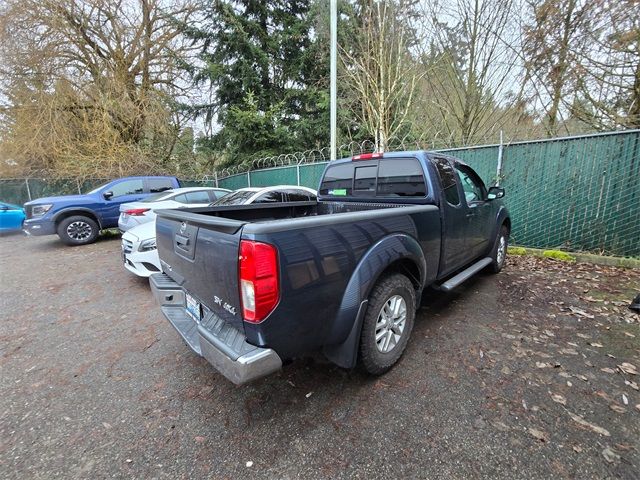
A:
[527, 374]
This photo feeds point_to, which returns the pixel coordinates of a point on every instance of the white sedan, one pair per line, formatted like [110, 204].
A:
[139, 251]
[138, 213]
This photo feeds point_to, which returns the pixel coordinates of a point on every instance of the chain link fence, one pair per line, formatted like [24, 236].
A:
[575, 193]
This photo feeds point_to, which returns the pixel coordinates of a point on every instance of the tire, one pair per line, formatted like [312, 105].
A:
[78, 230]
[392, 294]
[499, 251]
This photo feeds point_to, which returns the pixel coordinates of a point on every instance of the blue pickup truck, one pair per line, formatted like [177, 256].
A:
[249, 287]
[78, 219]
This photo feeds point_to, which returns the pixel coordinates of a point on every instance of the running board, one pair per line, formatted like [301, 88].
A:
[465, 275]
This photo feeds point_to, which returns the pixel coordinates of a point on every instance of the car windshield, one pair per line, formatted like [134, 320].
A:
[97, 189]
[235, 198]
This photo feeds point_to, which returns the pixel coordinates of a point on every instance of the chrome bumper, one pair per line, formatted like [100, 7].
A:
[224, 346]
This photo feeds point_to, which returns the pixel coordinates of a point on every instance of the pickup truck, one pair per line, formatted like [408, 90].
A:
[78, 219]
[249, 287]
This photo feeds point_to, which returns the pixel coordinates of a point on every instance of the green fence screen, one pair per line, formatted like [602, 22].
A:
[575, 193]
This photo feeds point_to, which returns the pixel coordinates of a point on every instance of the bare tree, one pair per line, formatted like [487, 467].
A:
[380, 70]
[81, 70]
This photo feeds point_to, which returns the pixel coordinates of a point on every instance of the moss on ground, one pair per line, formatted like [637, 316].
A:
[558, 255]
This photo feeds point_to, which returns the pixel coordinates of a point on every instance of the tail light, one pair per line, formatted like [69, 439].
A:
[259, 283]
[136, 212]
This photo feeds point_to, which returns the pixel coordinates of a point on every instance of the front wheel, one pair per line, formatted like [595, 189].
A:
[78, 230]
[387, 323]
[499, 252]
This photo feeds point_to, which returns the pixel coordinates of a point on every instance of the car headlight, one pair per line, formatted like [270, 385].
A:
[147, 245]
[40, 210]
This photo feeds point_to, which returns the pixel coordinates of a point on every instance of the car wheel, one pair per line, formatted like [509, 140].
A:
[387, 323]
[78, 230]
[499, 252]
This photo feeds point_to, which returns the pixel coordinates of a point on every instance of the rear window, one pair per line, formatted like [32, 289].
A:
[392, 177]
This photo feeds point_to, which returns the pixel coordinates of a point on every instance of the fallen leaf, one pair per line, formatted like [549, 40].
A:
[549, 333]
[309, 394]
[629, 334]
[594, 344]
[106, 425]
[582, 313]
[568, 351]
[539, 435]
[583, 335]
[572, 344]
[583, 378]
[625, 400]
[249, 463]
[617, 408]
[581, 421]
[607, 370]
[637, 406]
[633, 385]
[506, 370]
[577, 448]
[543, 365]
[629, 368]
[556, 397]
[609, 455]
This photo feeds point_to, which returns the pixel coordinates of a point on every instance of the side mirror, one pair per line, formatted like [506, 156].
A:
[3, 208]
[107, 195]
[495, 192]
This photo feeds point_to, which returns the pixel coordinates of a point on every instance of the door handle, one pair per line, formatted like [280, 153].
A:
[182, 241]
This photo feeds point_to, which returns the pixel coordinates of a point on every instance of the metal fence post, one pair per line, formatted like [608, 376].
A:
[26, 181]
[248, 178]
[298, 173]
[499, 168]
[215, 175]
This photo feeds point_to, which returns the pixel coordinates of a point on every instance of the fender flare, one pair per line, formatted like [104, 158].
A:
[342, 341]
[79, 210]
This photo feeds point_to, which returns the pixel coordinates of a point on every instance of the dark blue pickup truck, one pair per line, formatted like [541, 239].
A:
[78, 219]
[249, 287]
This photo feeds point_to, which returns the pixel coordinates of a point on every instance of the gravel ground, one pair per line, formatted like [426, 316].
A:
[528, 374]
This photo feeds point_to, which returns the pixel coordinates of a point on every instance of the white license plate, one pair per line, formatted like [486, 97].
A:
[193, 308]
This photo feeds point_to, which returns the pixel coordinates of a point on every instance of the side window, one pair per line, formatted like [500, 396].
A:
[159, 184]
[448, 179]
[471, 184]
[198, 197]
[297, 195]
[180, 198]
[401, 177]
[365, 180]
[216, 194]
[128, 187]
[270, 197]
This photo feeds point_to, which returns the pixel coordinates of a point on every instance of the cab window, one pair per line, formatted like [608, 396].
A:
[128, 187]
[401, 177]
[472, 186]
[159, 184]
[448, 180]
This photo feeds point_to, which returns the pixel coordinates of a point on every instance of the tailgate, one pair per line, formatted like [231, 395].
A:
[200, 253]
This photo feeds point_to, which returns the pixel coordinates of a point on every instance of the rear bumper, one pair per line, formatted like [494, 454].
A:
[224, 346]
[37, 226]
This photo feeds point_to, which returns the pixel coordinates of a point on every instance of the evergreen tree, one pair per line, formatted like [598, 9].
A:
[268, 72]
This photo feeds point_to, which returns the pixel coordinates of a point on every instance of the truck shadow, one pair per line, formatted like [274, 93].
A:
[309, 389]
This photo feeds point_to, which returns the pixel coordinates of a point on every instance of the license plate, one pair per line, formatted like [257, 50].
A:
[193, 308]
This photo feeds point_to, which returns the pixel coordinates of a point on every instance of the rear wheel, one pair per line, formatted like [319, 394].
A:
[499, 252]
[387, 323]
[78, 230]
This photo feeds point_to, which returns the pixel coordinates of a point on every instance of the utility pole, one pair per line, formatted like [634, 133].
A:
[334, 74]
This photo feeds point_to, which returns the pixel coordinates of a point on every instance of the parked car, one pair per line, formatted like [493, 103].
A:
[251, 286]
[11, 217]
[78, 219]
[137, 213]
[139, 251]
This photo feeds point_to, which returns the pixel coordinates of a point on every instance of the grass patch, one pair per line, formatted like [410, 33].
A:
[558, 255]
[517, 251]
